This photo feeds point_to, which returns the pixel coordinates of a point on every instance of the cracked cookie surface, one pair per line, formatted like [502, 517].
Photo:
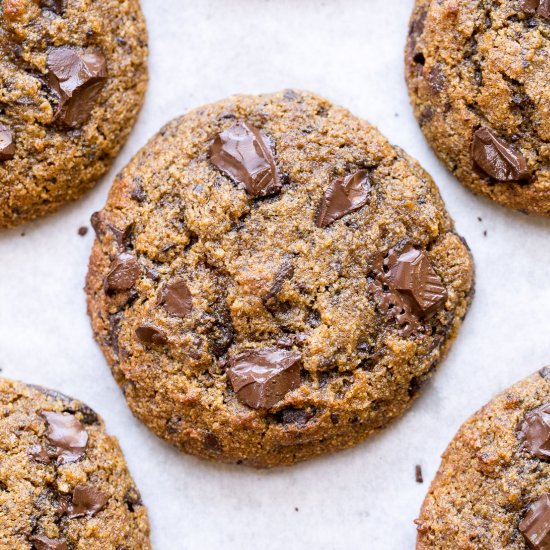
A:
[493, 475]
[64, 484]
[73, 75]
[479, 66]
[272, 280]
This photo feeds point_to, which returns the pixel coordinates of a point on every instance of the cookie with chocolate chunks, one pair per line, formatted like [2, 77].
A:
[58, 462]
[478, 81]
[492, 489]
[74, 78]
[294, 269]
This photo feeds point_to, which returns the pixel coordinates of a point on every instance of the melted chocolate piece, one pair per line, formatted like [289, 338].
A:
[412, 273]
[540, 7]
[77, 77]
[535, 526]
[343, 196]
[151, 335]
[67, 435]
[40, 542]
[7, 143]
[124, 273]
[242, 152]
[497, 158]
[262, 377]
[535, 432]
[86, 501]
[176, 299]
[285, 272]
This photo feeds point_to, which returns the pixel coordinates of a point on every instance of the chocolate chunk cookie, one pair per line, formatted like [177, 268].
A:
[477, 72]
[272, 280]
[493, 487]
[63, 481]
[73, 74]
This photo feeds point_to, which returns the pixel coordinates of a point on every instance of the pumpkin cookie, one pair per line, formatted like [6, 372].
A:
[63, 481]
[73, 75]
[477, 73]
[493, 487]
[272, 280]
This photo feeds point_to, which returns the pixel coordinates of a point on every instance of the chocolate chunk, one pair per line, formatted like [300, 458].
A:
[124, 273]
[41, 542]
[497, 158]
[176, 299]
[68, 435]
[390, 301]
[212, 443]
[123, 237]
[418, 474]
[86, 501]
[96, 221]
[540, 7]
[38, 453]
[57, 6]
[412, 273]
[77, 77]
[151, 335]
[535, 526]
[343, 196]
[82, 231]
[132, 498]
[138, 193]
[535, 432]
[261, 378]
[243, 153]
[285, 272]
[296, 417]
[7, 143]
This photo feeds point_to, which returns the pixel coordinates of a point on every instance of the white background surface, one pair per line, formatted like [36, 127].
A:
[351, 52]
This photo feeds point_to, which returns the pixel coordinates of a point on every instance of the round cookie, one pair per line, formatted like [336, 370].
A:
[63, 481]
[492, 489]
[73, 75]
[477, 73]
[272, 280]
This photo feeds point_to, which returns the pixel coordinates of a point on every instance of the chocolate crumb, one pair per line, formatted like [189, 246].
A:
[418, 474]
[82, 231]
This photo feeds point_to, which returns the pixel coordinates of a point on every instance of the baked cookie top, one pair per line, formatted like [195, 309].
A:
[492, 489]
[73, 74]
[477, 72]
[63, 481]
[272, 280]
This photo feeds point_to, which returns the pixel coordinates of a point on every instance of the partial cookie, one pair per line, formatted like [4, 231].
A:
[63, 481]
[478, 79]
[272, 280]
[73, 75]
[492, 489]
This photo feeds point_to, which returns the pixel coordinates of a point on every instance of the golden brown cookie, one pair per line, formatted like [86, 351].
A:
[492, 489]
[477, 73]
[272, 280]
[64, 483]
[73, 75]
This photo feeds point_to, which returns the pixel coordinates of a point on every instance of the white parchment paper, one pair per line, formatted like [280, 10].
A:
[351, 52]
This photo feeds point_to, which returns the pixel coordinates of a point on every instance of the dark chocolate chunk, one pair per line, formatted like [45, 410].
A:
[285, 272]
[77, 77]
[132, 499]
[57, 6]
[123, 237]
[86, 501]
[418, 474]
[82, 231]
[40, 542]
[535, 526]
[243, 153]
[67, 435]
[296, 417]
[176, 299]
[540, 7]
[124, 273]
[138, 193]
[151, 335]
[7, 143]
[96, 221]
[262, 377]
[343, 196]
[412, 273]
[497, 158]
[535, 432]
